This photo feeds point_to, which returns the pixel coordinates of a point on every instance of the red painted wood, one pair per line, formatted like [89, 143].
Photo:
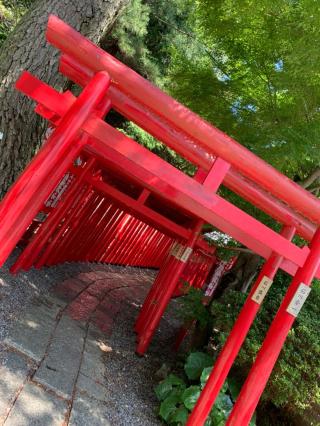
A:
[26, 196]
[213, 140]
[173, 185]
[234, 342]
[188, 148]
[268, 354]
[39, 240]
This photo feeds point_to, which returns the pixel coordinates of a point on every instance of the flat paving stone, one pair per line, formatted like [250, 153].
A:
[69, 289]
[93, 276]
[86, 277]
[90, 388]
[12, 377]
[82, 308]
[92, 360]
[88, 411]
[72, 354]
[36, 407]
[30, 334]
[110, 305]
[112, 282]
[50, 298]
[98, 289]
[103, 321]
[60, 367]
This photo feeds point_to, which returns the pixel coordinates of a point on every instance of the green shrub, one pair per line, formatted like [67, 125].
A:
[294, 384]
[191, 308]
[178, 396]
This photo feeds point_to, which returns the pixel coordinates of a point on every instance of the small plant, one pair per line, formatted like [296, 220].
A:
[178, 396]
[192, 308]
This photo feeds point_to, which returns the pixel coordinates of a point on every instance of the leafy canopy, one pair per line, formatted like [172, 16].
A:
[253, 69]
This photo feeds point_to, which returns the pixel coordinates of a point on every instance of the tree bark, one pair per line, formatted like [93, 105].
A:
[241, 275]
[21, 131]
[311, 179]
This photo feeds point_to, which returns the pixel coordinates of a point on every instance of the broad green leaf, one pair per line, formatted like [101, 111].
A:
[179, 416]
[168, 406]
[217, 417]
[190, 396]
[224, 403]
[164, 389]
[209, 422]
[175, 381]
[195, 364]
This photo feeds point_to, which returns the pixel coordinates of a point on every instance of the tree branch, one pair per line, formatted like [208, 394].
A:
[239, 249]
[313, 177]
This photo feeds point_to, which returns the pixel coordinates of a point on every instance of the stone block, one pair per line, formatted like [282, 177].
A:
[60, 367]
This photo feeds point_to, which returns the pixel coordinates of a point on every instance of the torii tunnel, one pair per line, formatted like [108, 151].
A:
[92, 193]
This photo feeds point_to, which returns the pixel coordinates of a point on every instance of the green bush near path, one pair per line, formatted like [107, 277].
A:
[178, 395]
[293, 391]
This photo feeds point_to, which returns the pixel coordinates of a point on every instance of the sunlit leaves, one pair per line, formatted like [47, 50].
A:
[270, 96]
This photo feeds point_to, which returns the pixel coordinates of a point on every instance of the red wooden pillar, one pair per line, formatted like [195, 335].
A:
[154, 291]
[34, 186]
[268, 354]
[160, 303]
[105, 247]
[38, 241]
[176, 267]
[57, 243]
[237, 336]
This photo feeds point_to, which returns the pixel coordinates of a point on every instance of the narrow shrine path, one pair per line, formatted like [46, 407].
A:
[67, 347]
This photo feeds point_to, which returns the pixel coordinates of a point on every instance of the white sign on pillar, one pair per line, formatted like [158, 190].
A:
[298, 299]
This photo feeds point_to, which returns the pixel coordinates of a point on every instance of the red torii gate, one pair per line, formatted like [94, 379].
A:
[80, 132]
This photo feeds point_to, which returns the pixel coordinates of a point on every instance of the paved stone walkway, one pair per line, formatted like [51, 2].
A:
[55, 353]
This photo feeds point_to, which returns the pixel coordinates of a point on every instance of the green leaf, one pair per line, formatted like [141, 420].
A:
[217, 417]
[179, 416]
[209, 422]
[253, 420]
[175, 381]
[168, 406]
[164, 389]
[234, 388]
[204, 376]
[195, 364]
[190, 396]
[224, 404]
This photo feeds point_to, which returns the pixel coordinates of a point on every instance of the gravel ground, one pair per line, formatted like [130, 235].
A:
[17, 290]
[131, 379]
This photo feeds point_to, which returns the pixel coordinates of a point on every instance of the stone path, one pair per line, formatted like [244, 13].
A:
[56, 369]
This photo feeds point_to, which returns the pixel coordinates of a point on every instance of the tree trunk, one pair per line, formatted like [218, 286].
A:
[241, 275]
[21, 131]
